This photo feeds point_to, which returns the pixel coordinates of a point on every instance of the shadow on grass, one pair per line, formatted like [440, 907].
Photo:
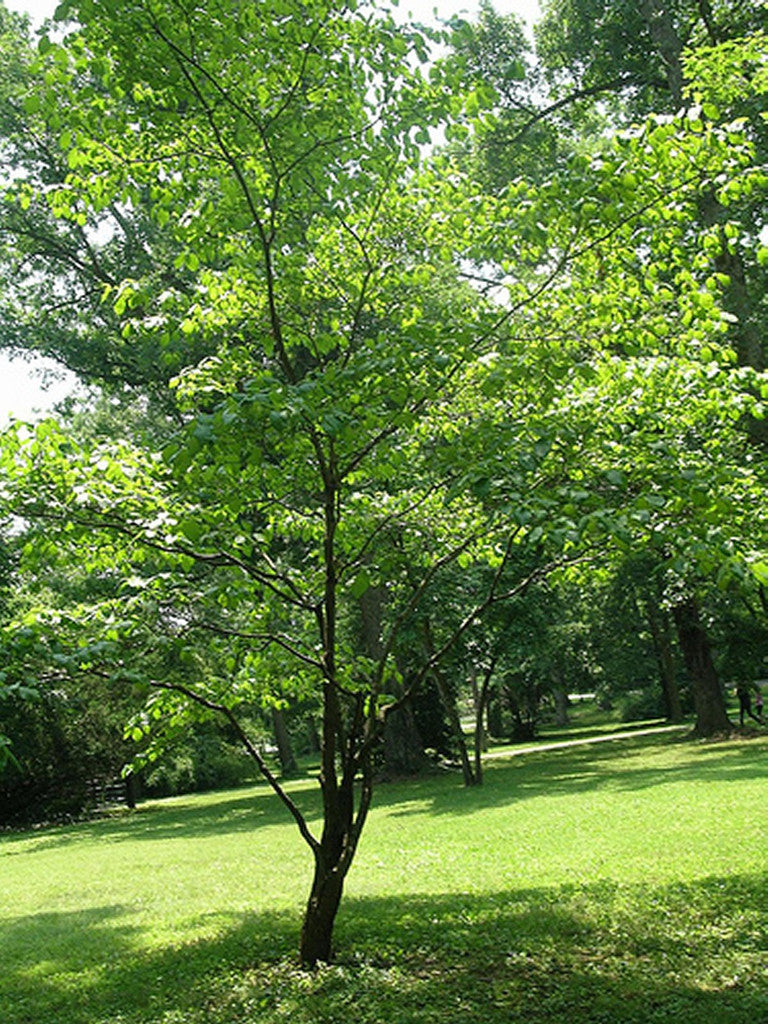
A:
[603, 953]
[573, 770]
[182, 818]
[567, 770]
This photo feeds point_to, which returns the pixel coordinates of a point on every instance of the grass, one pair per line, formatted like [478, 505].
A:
[620, 881]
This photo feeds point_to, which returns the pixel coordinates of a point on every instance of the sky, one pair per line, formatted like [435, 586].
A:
[28, 389]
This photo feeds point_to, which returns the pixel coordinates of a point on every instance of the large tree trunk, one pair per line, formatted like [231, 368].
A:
[449, 704]
[668, 44]
[711, 716]
[403, 746]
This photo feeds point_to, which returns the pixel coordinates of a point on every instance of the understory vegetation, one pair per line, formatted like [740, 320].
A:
[621, 880]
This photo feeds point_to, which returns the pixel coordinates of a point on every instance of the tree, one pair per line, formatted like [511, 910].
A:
[349, 413]
[277, 153]
[641, 65]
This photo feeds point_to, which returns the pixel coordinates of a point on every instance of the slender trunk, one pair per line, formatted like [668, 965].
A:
[662, 645]
[458, 733]
[313, 739]
[560, 694]
[479, 703]
[711, 716]
[315, 945]
[449, 704]
[283, 741]
[481, 694]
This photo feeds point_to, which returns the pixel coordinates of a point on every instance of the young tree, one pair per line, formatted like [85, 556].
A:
[348, 412]
[275, 155]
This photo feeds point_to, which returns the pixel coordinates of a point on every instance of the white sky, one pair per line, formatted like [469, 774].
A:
[23, 390]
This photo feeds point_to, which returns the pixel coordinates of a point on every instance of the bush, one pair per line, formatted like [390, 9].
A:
[203, 760]
[639, 705]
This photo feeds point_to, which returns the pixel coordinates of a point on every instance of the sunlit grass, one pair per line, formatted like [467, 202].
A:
[620, 881]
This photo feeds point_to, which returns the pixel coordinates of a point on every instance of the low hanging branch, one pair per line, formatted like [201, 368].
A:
[252, 749]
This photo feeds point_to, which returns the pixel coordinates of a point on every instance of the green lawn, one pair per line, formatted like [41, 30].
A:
[623, 881]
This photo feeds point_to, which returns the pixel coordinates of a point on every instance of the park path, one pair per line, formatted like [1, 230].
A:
[602, 738]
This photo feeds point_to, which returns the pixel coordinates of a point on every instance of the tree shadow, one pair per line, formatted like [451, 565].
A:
[183, 818]
[591, 954]
[573, 770]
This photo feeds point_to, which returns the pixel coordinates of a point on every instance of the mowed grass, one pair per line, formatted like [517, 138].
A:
[625, 881]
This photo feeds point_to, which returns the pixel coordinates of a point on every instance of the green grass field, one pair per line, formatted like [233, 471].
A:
[622, 881]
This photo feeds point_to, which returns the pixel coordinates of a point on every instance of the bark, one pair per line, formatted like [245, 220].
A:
[456, 728]
[560, 693]
[131, 790]
[495, 717]
[481, 694]
[313, 739]
[662, 645]
[403, 746]
[452, 712]
[283, 741]
[747, 336]
[711, 716]
[746, 333]
[668, 45]
[320, 915]
[479, 702]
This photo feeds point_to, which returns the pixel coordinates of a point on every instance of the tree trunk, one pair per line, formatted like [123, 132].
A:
[131, 790]
[320, 915]
[458, 733]
[657, 621]
[560, 693]
[283, 741]
[482, 694]
[668, 45]
[452, 712]
[711, 717]
[480, 702]
[403, 747]
[495, 717]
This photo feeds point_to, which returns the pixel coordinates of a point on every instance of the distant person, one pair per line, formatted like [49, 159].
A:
[759, 703]
[743, 692]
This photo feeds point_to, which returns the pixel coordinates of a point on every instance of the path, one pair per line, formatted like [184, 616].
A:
[602, 738]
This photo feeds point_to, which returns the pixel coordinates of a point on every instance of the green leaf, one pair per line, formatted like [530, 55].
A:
[360, 584]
